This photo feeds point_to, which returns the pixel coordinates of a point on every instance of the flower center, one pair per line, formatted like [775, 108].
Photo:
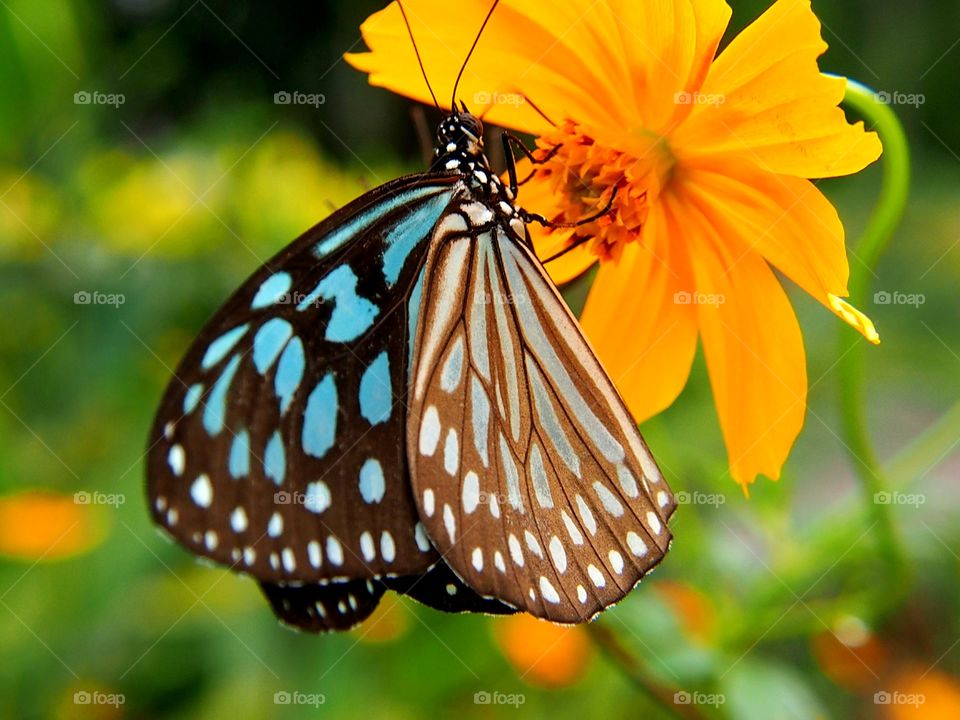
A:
[582, 175]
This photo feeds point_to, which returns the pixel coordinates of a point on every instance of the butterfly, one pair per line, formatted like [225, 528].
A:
[401, 400]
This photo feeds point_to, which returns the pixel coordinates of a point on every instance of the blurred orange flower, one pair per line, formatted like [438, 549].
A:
[710, 156]
[920, 692]
[693, 609]
[544, 653]
[39, 525]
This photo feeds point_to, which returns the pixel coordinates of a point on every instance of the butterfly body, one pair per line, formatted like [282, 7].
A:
[335, 427]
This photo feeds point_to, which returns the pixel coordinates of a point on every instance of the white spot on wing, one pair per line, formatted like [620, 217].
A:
[429, 431]
[202, 491]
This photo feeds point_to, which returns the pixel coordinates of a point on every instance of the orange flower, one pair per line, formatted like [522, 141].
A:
[542, 652]
[39, 525]
[710, 157]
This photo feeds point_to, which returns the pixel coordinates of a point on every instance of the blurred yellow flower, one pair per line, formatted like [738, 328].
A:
[164, 206]
[40, 525]
[710, 156]
[541, 652]
[29, 212]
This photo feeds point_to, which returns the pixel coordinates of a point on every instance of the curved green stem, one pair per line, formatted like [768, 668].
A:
[880, 228]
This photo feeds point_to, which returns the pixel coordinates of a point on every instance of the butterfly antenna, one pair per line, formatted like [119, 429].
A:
[423, 70]
[453, 102]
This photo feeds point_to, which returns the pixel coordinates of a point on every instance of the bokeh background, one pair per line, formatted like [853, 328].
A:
[126, 220]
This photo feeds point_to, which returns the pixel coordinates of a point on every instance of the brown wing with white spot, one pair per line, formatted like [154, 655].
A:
[530, 476]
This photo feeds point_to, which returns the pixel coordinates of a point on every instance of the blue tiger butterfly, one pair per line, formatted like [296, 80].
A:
[400, 399]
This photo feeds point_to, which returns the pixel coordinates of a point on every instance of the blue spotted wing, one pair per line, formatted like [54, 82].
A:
[278, 446]
[530, 475]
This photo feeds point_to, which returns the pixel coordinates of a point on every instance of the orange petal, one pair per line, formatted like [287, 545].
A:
[640, 321]
[785, 219]
[556, 55]
[37, 525]
[773, 105]
[668, 47]
[753, 348]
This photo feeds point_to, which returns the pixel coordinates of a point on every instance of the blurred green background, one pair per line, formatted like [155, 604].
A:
[779, 606]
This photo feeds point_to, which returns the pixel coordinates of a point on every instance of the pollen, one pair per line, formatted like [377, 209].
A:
[583, 175]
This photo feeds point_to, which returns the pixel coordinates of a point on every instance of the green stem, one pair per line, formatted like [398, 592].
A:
[618, 653]
[880, 228]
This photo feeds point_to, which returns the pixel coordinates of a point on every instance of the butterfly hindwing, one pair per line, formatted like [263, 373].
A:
[530, 475]
[275, 449]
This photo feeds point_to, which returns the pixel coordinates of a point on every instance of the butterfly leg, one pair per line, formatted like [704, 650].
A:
[511, 142]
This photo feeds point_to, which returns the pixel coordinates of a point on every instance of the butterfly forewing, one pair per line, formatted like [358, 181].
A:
[276, 447]
[530, 476]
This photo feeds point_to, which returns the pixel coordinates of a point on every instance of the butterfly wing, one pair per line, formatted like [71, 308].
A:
[530, 476]
[275, 449]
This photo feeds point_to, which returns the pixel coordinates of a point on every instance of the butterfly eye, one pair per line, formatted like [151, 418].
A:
[471, 124]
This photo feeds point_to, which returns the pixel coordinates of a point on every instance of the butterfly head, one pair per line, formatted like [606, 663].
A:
[459, 142]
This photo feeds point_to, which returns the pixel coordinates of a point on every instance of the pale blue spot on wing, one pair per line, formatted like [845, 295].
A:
[272, 290]
[275, 459]
[289, 373]
[221, 346]
[352, 315]
[320, 418]
[215, 411]
[192, 398]
[373, 214]
[480, 419]
[410, 232]
[413, 314]
[372, 483]
[269, 341]
[376, 392]
[240, 455]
